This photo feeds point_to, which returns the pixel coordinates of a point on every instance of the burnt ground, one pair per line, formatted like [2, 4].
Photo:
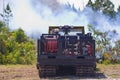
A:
[29, 72]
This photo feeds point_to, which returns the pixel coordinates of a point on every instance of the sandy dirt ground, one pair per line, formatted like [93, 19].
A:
[29, 72]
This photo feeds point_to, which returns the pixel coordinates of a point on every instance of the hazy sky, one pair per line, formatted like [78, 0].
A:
[26, 18]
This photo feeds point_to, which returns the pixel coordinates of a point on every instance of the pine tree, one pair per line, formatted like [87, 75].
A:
[104, 6]
[7, 15]
[90, 4]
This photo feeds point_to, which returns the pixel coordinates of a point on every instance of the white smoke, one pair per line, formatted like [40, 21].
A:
[42, 14]
[70, 17]
[34, 16]
[60, 15]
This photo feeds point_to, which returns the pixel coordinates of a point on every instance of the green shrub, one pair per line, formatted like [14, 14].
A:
[118, 61]
[21, 60]
[2, 59]
[16, 47]
[106, 62]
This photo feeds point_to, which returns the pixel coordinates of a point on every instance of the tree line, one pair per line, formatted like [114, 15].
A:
[15, 47]
[105, 39]
[107, 50]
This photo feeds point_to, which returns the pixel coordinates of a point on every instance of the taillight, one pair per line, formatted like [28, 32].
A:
[89, 47]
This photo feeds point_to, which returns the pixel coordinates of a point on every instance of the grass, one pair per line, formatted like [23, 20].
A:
[18, 72]
[111, 70]
[29, 72]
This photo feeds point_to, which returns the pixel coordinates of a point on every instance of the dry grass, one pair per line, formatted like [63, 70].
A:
[18, 72]
[112, 71]
[29, 72]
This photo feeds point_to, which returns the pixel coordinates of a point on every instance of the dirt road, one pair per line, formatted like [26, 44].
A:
[29, 72]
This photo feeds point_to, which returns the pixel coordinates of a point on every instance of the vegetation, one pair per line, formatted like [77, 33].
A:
[104, 6]
[105, 39]
[106, 52]
[15, 47]
[7, 15]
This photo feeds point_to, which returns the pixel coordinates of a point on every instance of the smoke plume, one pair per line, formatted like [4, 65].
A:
[61, 14]
[34, 16]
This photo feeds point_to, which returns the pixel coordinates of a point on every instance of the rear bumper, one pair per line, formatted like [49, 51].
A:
[66, 60]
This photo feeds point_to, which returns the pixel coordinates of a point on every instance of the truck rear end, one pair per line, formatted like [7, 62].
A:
[61, 52]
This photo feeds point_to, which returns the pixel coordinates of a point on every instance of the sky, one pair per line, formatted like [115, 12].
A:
[29, 20]
[32, 21]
